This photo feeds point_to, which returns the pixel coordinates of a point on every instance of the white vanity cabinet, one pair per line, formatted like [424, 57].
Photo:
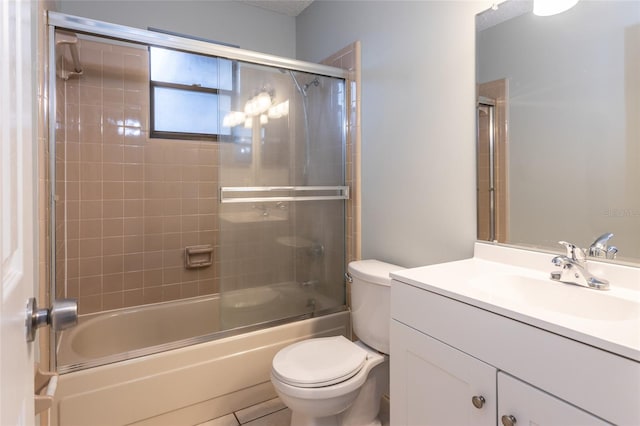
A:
[446, 354]
[435, 384]
[521, 404]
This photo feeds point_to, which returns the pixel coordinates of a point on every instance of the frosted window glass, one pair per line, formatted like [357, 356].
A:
[184, 68]
[188, 92]
[185, 111]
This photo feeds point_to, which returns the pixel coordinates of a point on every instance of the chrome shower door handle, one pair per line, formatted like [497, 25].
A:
[63, 314]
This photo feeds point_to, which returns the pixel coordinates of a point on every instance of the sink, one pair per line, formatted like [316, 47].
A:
[560, 298]
[516, 283]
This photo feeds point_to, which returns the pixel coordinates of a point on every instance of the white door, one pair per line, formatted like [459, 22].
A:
[521, 404]
[435, 384]
[17, 207]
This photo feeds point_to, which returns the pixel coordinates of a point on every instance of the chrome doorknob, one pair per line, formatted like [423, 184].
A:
[63, 314]
[508, 420]
[478, 401]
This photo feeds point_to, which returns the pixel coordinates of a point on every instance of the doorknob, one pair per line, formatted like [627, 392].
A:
[62, 315]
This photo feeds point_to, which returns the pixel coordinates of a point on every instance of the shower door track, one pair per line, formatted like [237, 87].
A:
[152, 38]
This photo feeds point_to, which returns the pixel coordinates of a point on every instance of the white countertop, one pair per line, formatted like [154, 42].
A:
[609, 320]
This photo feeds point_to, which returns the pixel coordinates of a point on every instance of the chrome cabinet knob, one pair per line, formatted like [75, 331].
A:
[63, 314]
[478, 401]
[508, 420]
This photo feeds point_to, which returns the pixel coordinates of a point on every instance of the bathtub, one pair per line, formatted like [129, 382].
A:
[168, 381]
[121, 334]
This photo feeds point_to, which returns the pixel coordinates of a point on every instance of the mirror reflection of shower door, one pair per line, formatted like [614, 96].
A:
[486, 170]
[281, 219]
[492, 173]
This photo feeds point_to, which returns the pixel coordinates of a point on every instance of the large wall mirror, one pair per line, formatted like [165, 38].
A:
[559, 125]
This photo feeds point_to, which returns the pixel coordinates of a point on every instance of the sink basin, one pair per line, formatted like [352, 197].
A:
[557, 297]
[516, 283]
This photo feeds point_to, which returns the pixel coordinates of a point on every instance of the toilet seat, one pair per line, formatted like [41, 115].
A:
[318, 362]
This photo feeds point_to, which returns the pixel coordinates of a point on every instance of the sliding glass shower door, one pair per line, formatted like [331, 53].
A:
[282, 194]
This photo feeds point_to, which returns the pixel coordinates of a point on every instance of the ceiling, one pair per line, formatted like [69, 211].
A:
[284, 7]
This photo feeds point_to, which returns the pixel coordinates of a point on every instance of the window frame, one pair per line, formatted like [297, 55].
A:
[163, 134]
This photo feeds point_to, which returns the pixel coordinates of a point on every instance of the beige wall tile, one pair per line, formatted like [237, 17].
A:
[134, 203]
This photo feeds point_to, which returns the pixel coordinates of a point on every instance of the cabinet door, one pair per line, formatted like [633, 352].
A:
[530, 406]
[434, 384]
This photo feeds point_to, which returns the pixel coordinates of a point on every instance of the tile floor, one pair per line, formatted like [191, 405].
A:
[273, 413]
[268, 413]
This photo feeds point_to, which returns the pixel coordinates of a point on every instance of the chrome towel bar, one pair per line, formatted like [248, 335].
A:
[256, 194]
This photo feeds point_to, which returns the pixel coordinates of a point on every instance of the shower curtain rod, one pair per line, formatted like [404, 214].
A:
[121, 32]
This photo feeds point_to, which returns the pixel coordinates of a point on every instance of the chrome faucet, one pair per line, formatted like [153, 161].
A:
[573, 269]
[600, 248]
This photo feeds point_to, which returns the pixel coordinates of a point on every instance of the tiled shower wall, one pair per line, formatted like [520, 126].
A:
[348, 58]
[127, 205]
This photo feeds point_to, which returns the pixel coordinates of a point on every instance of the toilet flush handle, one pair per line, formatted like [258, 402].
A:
[348, 277]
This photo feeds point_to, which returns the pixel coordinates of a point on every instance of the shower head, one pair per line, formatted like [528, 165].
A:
[315, 82]
[303, 89]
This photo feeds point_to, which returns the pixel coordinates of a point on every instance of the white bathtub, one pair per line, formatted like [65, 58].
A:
[187, 385]
[121, 334]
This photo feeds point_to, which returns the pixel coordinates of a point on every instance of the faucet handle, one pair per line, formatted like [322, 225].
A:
[573, 252]
[601, 241]
[599, 248]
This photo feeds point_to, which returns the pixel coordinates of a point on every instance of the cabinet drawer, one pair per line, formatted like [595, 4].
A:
[580, 374]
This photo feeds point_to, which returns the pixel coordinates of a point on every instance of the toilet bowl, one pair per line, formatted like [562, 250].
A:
[332, 381]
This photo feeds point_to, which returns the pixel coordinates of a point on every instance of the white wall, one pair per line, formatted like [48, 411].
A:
[231, 22]
[418, 120]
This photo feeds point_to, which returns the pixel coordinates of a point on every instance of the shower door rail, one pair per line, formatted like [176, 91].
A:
[255, 194]
[153, 38]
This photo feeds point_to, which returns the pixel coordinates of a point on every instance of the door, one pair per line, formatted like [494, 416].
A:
[435, 384]
[520, 403]
[17, 194]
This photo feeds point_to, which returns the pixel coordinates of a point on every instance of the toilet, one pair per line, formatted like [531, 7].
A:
[332, 381]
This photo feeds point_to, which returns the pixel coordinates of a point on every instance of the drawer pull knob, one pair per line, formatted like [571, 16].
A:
[508, 420]
[478, 401]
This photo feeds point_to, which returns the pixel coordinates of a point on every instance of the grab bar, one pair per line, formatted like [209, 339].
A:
[256, 194]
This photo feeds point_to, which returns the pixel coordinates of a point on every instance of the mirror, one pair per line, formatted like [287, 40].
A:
[561, 97]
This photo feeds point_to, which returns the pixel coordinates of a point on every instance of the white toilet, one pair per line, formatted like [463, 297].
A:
[331, 381]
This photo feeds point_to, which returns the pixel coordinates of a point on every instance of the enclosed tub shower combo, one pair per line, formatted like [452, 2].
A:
[198, 214]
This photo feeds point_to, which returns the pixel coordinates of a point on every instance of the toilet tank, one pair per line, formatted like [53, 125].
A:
[370, 298]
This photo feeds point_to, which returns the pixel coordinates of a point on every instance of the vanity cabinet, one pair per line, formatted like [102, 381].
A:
[455, 364]
[519, 403]
[435, 384]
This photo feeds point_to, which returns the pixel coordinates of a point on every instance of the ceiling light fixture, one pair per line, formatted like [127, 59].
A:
[552, 7]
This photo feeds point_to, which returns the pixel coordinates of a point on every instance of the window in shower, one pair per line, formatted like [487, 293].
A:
[187, 92]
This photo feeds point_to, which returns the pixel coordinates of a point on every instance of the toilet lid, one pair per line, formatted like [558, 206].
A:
[318, 362]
